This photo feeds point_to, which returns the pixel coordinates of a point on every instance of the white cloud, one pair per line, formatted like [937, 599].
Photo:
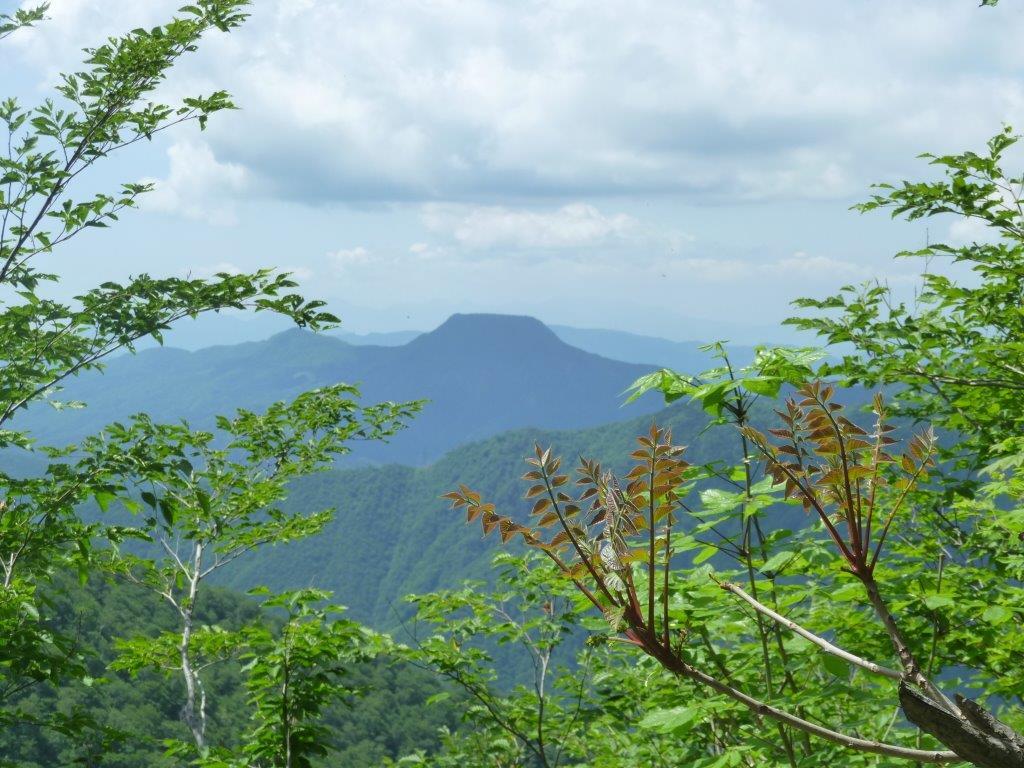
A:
[209, 270]
[444, 100]
[801, 265]
[299, 273]
[349, 257]
[576, 225]
[492, 152]
[198, 186]
[965, 231]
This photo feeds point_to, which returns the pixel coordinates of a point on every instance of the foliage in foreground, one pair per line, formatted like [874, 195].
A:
[905, 582]
[811, 643]
[207, 498]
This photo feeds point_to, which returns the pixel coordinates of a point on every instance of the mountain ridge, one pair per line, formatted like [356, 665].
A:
[482, 374]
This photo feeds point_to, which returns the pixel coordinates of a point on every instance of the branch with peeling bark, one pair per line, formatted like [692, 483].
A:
[852, 742]
[819, 641]
[912, 670]
[973, 732]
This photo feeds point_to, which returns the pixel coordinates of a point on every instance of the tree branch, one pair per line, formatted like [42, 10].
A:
[821, 642]
[977, 736]
[683, 669]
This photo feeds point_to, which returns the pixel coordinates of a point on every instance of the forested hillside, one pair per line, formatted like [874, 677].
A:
[392, 533]
[138, 713]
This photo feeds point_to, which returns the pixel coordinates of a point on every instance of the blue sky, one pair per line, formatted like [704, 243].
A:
[682, 169]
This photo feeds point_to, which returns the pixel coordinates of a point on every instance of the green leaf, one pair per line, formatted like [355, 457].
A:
[712, 396]
[836, 666]
[704, 554]
[997, 614]
[715, 501]
[756, 504]
[846, 592]
[103, 499]
[766, 386]
[671, 384]
[668, 720]
[938, 601]
[166, 511]
[778, 562]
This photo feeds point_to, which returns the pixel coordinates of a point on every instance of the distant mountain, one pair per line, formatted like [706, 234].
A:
[238, 327]
[683, 356]
[483, 374]
[616, 345]
[385, 339]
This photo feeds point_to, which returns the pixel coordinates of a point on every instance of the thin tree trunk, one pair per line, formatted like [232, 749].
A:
[192, 714]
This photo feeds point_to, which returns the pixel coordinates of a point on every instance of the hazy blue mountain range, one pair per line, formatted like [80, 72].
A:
[684, 356]
[380, 339]
[483, 374]
[613, 344]
[616, 345]
[224, 328]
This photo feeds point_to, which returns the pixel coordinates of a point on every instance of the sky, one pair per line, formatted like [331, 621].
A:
[680, 168]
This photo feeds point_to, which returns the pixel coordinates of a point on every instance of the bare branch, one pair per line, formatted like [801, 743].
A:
[821, 642]
[912, 669]
[759, 707]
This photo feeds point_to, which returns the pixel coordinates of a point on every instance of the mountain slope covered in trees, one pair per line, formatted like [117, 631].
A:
[393, 534]
[140, 712]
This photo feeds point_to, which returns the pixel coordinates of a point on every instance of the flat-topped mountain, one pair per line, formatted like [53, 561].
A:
[478, 332]
[687, 356]
[482, 374]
